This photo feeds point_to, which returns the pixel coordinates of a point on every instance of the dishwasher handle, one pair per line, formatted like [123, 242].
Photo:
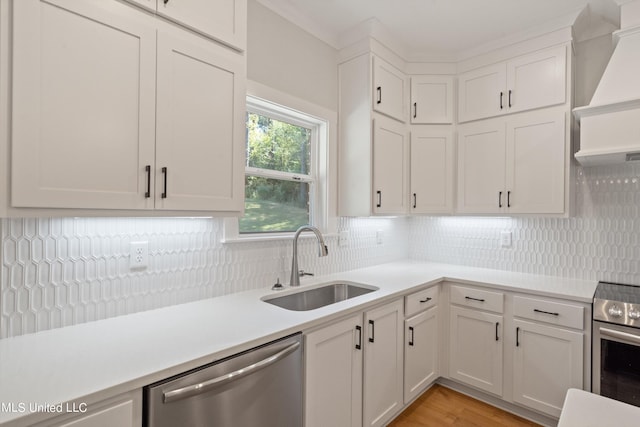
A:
[195, 389]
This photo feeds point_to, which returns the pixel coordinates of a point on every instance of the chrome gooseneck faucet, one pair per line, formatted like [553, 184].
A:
[322, 251]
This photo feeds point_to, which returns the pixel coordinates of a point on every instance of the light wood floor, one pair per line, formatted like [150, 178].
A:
[440, 406]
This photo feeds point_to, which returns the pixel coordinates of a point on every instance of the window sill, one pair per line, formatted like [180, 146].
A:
[253, 238]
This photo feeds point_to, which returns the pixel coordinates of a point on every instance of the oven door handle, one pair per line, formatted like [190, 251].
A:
[192, 390]
[620, 335]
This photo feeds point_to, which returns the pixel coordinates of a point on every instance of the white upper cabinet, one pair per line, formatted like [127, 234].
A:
[526, 82]
[389, 89]
[222, 20]
[432, 171]
[431, 100]
[115, 109]
[200, 107]
[389, 158]
[83, 118]
[481, 92]
[514, 165]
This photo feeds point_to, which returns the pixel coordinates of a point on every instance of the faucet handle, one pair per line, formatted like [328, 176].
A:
[304, 273]
[278, 286]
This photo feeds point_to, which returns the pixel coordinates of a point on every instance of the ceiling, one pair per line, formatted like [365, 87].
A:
[436, 28]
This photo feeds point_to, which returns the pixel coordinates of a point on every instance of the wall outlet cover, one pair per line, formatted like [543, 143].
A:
[139, 255]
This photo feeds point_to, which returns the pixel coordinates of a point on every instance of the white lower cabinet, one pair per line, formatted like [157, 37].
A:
[420, 353]
[123, 411]
[475, 351]
[354, 373]
[333, 375]
[547, 362]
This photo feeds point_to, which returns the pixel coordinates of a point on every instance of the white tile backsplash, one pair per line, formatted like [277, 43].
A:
[62, 271]
[601, 242]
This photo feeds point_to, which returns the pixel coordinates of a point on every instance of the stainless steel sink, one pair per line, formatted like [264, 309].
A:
[311, 299]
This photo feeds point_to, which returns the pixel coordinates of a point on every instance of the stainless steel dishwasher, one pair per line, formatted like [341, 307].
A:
[260, 387]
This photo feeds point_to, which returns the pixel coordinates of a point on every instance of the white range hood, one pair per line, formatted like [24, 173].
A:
[610, 124]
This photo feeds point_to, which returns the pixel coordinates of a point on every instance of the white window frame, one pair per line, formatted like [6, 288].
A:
[323, 177]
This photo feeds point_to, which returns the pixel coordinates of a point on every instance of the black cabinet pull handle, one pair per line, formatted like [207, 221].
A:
[497, 325]
[508, 199]
[164, 173]
[359, 330]
[509, 98]
[415, 110]
[411, 342]
[518, 337]
[379, 204]
[379, 89]
[427, 299]
[166, 1]
[546, 312]
[475, 299]
[501, 100]
[499, 199]
[147, 194]
[373, 331]
[415, 200]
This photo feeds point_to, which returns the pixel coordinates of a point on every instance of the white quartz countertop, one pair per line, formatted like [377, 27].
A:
[584, 409]
[96, 360]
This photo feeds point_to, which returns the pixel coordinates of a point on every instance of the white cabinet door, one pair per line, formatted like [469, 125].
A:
[536, 80]
[420, 353]
[547, 362]
[383, 362]
[432, 171]
[389, 88]
[223, 20]
[389, 171]
[333, 373]
[200, 126]
[535, 169]
[431, 99]
[83, 105]
[481, 167]
[481, 92]
[475, 351]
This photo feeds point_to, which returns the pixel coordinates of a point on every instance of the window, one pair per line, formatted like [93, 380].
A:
[301, 187]
[280, 170]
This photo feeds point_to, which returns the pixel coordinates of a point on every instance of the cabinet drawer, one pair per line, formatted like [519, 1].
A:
[478, 298]
[557, 313]
[420, 300]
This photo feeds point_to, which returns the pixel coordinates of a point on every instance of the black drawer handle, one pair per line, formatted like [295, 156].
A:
[373, 330]
[415, 110]
[427, 299]
[147, 194]
[501, 100]
[164, 193]
[509, 98]
[518, 337]
[379, 89]
[379, 204]
[497, 326]
[359, 330]
[415, 200]
[475, 299]
[546, 312]
[508, 199]
[411, 342]
[499, 199]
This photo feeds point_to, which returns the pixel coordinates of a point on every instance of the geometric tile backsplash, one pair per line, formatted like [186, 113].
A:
[62, 271]
[601, 242]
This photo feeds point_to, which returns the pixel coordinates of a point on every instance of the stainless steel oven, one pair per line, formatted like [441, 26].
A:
[616, 342]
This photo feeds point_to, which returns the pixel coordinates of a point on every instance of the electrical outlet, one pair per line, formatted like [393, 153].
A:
[343, 239]
[379, 237]
[139, 255]
[505, 239]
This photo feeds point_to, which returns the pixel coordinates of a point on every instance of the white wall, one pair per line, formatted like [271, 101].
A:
[285, 57]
